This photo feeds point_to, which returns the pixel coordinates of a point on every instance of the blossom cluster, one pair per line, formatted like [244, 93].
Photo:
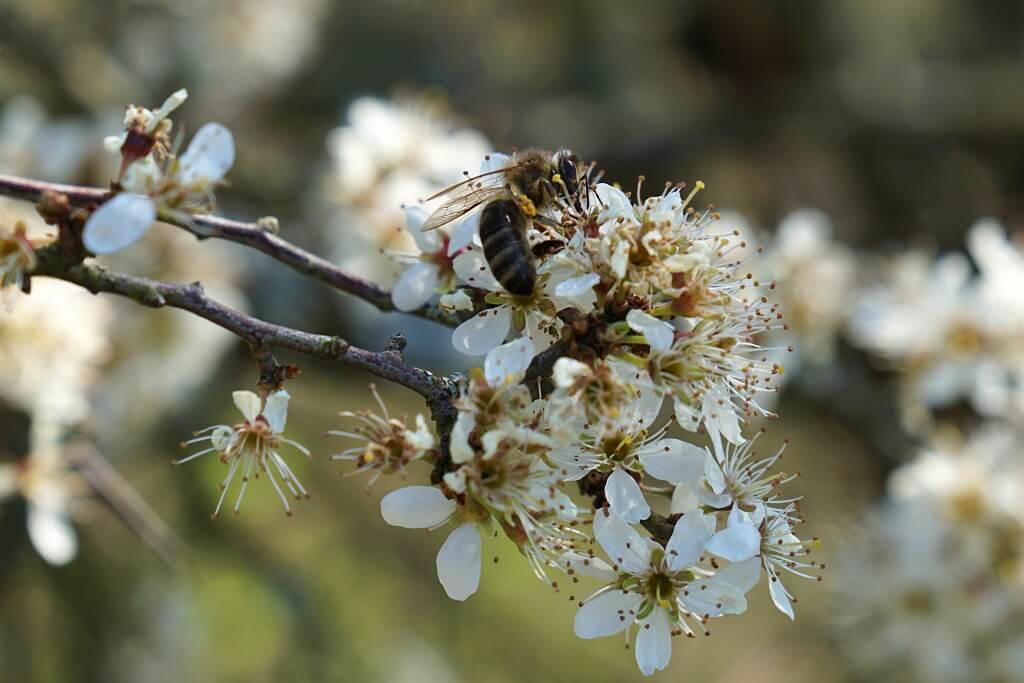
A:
[932, 586]
[609, 433]
[644, 303]
[949, 327]
[956, 332]
[929, 587]
[154, 180]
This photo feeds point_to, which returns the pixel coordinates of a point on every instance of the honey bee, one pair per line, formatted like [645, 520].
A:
[513, 197]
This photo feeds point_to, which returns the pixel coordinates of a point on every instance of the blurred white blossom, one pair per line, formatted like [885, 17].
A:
[36, 144]
[52, 344]
[387, 154]
[815, 279]
[932, 584]
[160, 359]
[49, 487]
[952, 332]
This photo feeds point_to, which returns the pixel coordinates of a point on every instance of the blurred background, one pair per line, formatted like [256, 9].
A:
[856, 143]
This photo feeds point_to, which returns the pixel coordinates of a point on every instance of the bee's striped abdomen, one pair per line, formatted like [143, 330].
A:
[503, 233]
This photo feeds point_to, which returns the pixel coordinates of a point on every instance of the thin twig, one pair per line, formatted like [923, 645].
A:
[252, 235]
[58, 262]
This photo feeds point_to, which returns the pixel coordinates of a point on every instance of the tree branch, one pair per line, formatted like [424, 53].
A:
[253, 235]
[57, 261]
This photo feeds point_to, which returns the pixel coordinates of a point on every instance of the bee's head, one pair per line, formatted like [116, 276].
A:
[566, 166]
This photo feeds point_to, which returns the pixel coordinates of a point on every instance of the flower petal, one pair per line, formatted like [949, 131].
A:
[422, 438]
[585, 565]
[416, 507]
[174, 100]
[709, 597]
[654, 642]
[688, 540]
[51, 532]
[686, 416]
[276, 410]
[118, 223]
[209, 156]
[607, 614]
[720, 416]
[683, 499]
[248, 404]
[491, 441]
[626, 548]
[484, 331]
[456, 480]
[461, 451]
[568, 370]
[427, 242]
[673, 460]
[780, 597]
[620, 259]
[472, 269]
[625, 497]
[507, 364]
[615, 202]
[713, 474]
[577, 286]
[736, 542]
[743, 575]
[542, 330]
[640, 413]
[458, 562]
[415, 287]
[456, 301]
[711, 499]
[464, 232]
[495, 161]
[658, 333]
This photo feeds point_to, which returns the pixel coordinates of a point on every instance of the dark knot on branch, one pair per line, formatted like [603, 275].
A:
[396, 344]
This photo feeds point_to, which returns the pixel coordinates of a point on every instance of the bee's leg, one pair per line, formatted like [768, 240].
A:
[524, 203]
[557, 187]
[548, 226]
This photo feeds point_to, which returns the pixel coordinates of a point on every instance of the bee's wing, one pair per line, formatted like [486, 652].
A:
[461, 204]
[486, 178]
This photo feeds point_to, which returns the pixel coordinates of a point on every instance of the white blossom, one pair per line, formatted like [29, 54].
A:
[49, 487]
[623, 455]
[532, 316]
[52, 345]
[250, 448]
[426, 507]
[664, 591]
[387, 444]
[431, 272]
[156, 183]
[817, 281]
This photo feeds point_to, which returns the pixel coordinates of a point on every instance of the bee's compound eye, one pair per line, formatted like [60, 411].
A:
[567, 168]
